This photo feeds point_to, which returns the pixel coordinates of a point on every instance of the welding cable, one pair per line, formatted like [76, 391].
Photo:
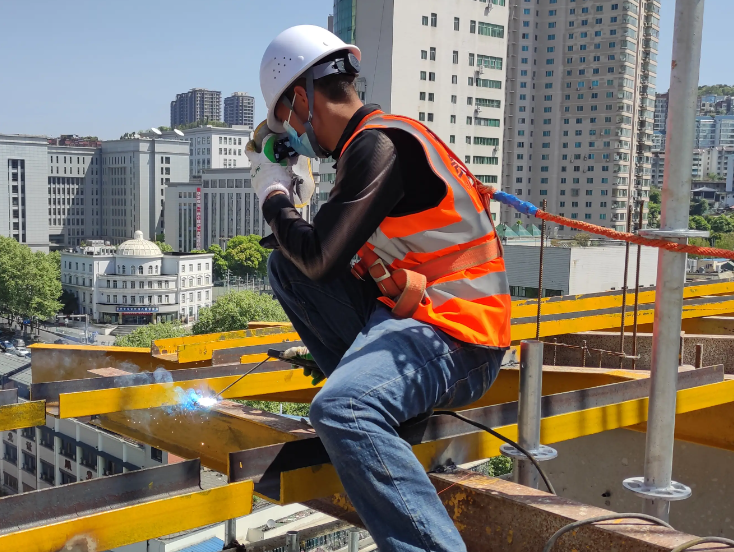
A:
[501, 438]
[608, 517]
[694, 542]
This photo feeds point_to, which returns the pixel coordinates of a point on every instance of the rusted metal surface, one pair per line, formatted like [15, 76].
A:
[494, 515]
[56, 504]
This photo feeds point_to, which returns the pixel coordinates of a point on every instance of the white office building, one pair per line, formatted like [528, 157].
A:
[212, 147]
[135, 283]
[442, 63]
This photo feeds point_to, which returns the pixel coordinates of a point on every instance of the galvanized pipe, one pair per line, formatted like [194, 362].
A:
[230, 532]
[291, 542]
[540, 271]
[672, 266]
[353, 540]
[637, 289]
[624, 285]
[528, 410]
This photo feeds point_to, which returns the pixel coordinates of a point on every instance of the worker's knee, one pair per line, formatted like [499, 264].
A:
[328, 409]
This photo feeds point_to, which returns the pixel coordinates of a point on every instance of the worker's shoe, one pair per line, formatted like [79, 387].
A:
[301, 353]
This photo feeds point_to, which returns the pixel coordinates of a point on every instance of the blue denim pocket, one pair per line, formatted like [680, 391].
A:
[468, 389]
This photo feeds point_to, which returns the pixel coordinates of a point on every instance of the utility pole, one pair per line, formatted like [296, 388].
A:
[657, 487]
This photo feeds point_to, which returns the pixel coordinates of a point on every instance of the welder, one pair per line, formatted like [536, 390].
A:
[421, 321]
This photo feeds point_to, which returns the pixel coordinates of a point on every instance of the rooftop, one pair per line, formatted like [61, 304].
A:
[139, 247]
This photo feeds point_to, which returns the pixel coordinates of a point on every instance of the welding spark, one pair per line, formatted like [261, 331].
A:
[207, 402]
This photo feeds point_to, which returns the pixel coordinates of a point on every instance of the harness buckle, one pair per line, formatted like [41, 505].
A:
[377, 276]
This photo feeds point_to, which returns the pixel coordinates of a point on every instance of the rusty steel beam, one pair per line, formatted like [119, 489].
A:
[494, 515]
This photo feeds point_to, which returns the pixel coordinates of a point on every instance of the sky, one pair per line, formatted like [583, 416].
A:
[104, 68]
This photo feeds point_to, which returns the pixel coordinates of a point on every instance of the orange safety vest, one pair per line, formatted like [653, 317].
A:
[444, 265]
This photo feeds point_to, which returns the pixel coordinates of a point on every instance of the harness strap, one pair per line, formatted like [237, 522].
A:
[406, 287]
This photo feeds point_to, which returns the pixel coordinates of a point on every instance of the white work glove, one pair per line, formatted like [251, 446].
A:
[267, 176]
[316, 375]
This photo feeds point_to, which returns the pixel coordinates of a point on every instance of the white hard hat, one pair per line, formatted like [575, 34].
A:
[288, 56]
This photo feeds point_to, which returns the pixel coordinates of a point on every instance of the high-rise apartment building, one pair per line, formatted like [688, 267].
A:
[198, 104]
[660, 124]
[712, 131]
[442, 63]
[580, 100]
[239, 109]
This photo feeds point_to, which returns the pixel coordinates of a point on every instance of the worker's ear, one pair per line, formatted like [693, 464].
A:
[300, 102]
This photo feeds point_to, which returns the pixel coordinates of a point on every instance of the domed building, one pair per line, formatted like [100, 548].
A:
[136, 283]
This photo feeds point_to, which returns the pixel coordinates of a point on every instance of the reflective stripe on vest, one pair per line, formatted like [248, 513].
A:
[472, 305]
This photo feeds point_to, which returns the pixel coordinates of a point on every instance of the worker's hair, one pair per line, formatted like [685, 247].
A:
[336, 88]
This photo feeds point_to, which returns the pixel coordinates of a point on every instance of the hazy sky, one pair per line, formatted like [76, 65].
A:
[105, 67]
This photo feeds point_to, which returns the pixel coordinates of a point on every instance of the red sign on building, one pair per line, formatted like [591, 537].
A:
[198, 218]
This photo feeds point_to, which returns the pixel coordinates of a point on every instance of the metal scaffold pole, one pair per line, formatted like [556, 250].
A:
[657, 487]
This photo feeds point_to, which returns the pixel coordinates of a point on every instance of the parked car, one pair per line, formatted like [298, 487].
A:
[22, 352]
[7, 345]
[18, 342]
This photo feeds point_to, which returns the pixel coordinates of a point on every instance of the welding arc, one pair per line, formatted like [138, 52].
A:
[501, 438]
[250, 371]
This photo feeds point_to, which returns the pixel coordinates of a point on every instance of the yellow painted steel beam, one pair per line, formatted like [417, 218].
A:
[320, 481]
[117, 399]
[119, 527]
[22, 415]
[590, 322]
[293, 386]
[203, 351]
[597, 301]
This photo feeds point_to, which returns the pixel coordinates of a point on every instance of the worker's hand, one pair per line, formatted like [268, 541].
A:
[267, 176]
[316, 375]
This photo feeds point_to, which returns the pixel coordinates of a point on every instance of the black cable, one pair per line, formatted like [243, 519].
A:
[608, 517]
[694, 542]
[501, 438]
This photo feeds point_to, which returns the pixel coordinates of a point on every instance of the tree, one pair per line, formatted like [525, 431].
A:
[291, 409]
[69, 302]
[713, 177]
[236, 309]
[721, 224]
[698, 207]
[716, 90]
[653, 215]
[245, 255]
[144, 336]
[218, 261]
[582, 239]
[697, 222]
[164, 247]
[30, 283]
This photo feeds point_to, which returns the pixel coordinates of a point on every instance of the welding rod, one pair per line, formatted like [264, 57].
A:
[242, 376]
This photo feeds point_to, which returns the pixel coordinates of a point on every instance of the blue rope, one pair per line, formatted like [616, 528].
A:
[524, 207]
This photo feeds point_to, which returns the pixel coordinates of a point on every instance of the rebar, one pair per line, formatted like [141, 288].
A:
[624, 284]
[637, 289]
[540, 272]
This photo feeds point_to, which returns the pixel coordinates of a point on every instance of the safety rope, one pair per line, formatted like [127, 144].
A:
[530, 209]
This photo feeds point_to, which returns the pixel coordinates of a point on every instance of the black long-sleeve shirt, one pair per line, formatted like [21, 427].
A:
[382, 173]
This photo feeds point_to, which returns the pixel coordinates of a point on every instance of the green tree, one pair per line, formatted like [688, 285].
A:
[698, 207]
[144, 336]
[30, 283]
[713, 177]
[236, 309]
[69, 302]
[218, 261]
[164, 247]
[721, 224]
[697, 222]
[245, 255]
[582, 239]
[716, 90]
[653, 215]
[292, 409]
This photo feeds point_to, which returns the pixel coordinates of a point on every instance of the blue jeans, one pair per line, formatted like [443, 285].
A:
[382, 371]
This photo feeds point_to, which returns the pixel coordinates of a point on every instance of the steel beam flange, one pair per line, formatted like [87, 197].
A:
[541, 454]
[676, 491]
[656, 233]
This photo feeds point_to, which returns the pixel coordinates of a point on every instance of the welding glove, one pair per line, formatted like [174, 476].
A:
[268, 176]
[316, 375]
